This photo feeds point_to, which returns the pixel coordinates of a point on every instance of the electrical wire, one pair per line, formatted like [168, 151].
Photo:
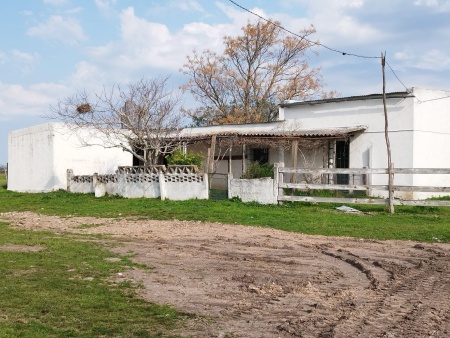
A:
[333, 50]
[407, 89]
[302, 37]
[437, 98]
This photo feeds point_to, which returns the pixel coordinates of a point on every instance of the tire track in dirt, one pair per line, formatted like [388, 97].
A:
[412, 303]
[263, 283]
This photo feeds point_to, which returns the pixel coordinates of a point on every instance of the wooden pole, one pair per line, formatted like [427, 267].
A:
[244, 163]
[230, 163]
[294, 153]
[388, 144]
[212, 151]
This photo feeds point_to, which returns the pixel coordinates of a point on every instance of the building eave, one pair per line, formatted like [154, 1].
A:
[392, 95]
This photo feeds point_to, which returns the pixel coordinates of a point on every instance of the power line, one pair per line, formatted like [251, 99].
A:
[438, 98]
[302, 37]
[327, 47]
[407, 89]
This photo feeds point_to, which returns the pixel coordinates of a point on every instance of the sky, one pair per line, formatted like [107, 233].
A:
[52, 49]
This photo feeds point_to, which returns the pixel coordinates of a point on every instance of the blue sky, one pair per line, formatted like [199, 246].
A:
[50, 49]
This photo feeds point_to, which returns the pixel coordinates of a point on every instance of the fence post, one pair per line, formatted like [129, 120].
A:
[229, 178]
[69, 178]
[277, 179]
[99, 187]
[162, 186]
[206, 184]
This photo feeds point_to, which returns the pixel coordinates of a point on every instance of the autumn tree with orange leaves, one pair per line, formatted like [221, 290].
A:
[258, 70]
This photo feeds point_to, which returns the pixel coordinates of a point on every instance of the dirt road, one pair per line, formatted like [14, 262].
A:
[260, 282]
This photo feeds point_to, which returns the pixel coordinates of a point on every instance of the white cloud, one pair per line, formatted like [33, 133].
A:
[24, 61]
[74, 10]
[438, 5]
[186, 5]
[403, 55]
[428, 3]
[335, 21]
[434, 60]
[26, 13]
[106, 6]
[145, 45]
[86, 76]
[33, 100]
[3, 58]
[55, 2]
[67, 31]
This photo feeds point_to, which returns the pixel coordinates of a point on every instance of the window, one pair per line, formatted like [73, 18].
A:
[261, 155]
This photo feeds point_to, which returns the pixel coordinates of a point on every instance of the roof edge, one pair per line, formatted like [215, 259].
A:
[392, 95]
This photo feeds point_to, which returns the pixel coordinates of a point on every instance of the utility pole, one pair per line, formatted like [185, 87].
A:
[388, 144]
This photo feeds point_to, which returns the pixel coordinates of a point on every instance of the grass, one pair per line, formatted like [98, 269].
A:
[428, 224]
[65, 290]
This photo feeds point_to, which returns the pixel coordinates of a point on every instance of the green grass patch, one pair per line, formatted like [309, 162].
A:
[57, 286]
[429, 224]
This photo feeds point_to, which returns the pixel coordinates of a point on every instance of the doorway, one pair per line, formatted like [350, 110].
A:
[342, 160]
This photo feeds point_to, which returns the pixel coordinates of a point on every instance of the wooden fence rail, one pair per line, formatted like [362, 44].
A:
[283, 175]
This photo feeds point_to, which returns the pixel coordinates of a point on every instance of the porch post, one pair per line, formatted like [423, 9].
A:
[244, 164]
[331, 154]
[294, 153]
[212, 151]
[281, 154]
[230, 168]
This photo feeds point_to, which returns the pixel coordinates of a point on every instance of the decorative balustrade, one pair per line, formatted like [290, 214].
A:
[172, 182]
[82, 179]
[154, 169]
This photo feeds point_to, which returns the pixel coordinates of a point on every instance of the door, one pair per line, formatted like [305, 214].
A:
[342, 160]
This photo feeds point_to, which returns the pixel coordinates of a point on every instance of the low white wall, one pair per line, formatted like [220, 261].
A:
[139, 185]
[178, 183]
[105, 184]
[259, 190]
[185, 186]
[82, 184]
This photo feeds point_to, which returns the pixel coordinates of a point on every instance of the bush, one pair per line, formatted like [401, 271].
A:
[258, 170]
[178, 158]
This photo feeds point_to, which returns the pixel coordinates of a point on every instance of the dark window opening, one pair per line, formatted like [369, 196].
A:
[139, 163]
[261, 155]
[136, 161]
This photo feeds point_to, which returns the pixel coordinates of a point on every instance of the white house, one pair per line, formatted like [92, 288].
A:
[345, 132]
[419, 131]
[39, 156]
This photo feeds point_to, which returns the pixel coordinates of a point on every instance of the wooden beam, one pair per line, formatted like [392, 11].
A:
[244, 164]
[212, 151]
[294, 153]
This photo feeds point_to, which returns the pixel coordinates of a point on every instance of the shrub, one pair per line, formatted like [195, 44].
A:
[179, 158]
[258, 170]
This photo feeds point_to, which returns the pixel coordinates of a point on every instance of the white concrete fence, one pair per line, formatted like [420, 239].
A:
[271, 191]
[179, 182]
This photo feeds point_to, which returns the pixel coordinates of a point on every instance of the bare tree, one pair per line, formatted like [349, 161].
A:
[258, 69]
[141, 118]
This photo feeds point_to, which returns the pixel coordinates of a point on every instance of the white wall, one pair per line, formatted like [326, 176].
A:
[418, 131]
[371, 114]
[30, 159]
[259, 190]
[39, 156]
[431, 137]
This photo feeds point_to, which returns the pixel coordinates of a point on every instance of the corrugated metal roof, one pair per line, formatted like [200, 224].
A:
[348, 98]
[273, 129]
